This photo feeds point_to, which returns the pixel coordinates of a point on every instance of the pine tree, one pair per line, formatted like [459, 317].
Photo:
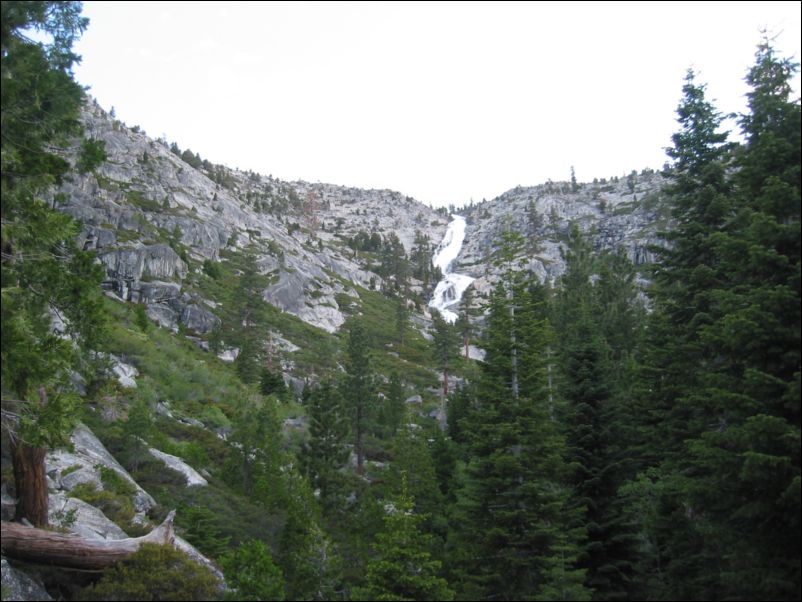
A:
[723, 364]
[619, 311]
[673, 405]
[247, 326]
[750, 448]
[392, 409]
[254, 461]
[403, 568]
[401, 318]
[42, 271]
[689, 269]
[360, 389]
[515, 532]
[444, 347]
[464, 324]
[311, 563]
[326, 451]
[138, 429]
[592, 425]
[251, 572]
[412, 460]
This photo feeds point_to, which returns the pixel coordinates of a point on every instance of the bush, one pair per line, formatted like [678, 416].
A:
[116, 506]
[154, 572]
[250, 570]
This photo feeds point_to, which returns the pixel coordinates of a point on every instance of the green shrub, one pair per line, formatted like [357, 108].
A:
[250, 570]
[154, 573]
[202, 529]
[117, 507]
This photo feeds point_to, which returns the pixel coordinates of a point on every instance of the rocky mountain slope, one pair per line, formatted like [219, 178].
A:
[621, 212]
[159, 218]
[155, 215]
[153, 219]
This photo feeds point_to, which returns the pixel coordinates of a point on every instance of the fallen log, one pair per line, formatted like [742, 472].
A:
[72, 551]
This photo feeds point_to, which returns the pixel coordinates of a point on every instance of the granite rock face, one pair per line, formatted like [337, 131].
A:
[623, 213]
[20, 586]
[69, 468]
[154, 219]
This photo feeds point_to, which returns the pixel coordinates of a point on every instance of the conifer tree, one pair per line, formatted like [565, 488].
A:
[412, 459]
[360, 389]
[391, 412]
[403, 568]
[43, 274]
[749, 447]
[311, 563]
[592, 429]
[516, 535]
[251, 572]
[723, 364]
[464, 324]
[445, 345]
[247, 322]
[326, 451]
[688, 270]
[254, 462]
[673, 406]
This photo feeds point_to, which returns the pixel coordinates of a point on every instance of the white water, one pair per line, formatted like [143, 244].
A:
[450, 289]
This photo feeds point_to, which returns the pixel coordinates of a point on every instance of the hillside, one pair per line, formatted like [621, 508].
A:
[220, 385]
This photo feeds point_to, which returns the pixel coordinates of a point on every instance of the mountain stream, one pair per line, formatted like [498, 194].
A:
[449, 290]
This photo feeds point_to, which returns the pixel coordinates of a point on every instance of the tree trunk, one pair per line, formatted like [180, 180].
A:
[30, 482]
[513, 345]
[71, 551]
[360, 452]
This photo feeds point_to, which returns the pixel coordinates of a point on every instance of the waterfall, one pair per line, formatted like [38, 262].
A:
[449, 290]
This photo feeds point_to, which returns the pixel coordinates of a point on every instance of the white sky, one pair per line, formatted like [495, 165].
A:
[441, 101]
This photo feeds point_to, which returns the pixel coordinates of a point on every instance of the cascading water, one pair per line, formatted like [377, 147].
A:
[450, 289]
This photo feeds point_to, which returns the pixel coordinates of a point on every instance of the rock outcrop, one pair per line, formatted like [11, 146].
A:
[66, 469]
[153, 219]
[18, 585]
[622, 213]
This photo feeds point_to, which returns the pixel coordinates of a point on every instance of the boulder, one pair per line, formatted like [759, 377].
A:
[198, 319]
[86, 521]
[20, 586]
[89, 454]
[177, 464]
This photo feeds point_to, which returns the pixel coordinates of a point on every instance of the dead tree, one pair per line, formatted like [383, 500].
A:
[71, 551]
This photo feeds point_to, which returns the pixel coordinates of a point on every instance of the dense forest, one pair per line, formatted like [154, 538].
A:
[619, 441]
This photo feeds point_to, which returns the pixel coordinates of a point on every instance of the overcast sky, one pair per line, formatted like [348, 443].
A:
[441, 101]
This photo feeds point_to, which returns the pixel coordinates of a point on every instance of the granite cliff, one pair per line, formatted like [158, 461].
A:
[155, 215]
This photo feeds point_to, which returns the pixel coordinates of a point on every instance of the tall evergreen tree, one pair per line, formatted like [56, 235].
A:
[254, 461]
[326, 451]
[311, 563]
[516, 535]
[412, 460]
[596, 460]
[392, 409]
[43, 274]
[750, 448]
[723, 364]
[403, 568]
[444, 347]
[360, 389]
[672, 405]
[590, 411]
[248, 329]
[464, 324]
